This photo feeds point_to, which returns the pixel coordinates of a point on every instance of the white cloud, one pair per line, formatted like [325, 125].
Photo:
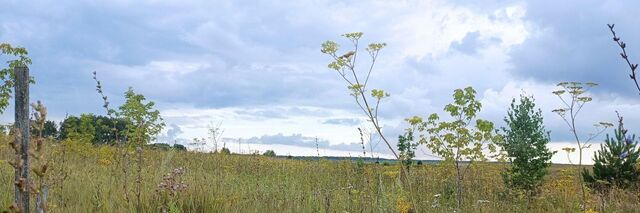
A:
[256, 121]
[432, 26]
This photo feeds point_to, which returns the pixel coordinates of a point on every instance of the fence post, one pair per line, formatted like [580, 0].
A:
[22, 125]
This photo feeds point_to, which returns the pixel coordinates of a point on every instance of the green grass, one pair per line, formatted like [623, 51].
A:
[243, 183]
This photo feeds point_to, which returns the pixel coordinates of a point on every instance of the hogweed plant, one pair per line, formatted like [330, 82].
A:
[574, 96]
[345, 66]
[215, 134]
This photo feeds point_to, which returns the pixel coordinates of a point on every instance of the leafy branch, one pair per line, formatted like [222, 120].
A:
[7, 75]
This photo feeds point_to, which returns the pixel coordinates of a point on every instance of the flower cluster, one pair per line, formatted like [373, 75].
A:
[172, 182]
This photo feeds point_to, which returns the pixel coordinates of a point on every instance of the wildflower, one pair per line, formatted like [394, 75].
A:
[483, 201]
[171, 183]
[105, 162]
[628, 140]
[624, 154]
[591, 211]
[391, 174]
[403, 206]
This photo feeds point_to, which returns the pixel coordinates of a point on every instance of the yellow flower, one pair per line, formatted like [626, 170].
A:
[402, 205]
[391, 174]
[105, 162]
[591, 211]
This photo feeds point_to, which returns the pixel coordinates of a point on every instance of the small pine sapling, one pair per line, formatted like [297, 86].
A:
[615, 162]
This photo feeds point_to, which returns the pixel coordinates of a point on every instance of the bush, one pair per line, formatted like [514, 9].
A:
[526, 146]
[269, 153]
[225, 150]
[159, 146]
[179, 147]
[615, 162]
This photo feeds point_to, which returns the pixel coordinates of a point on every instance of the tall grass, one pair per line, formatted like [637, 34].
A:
[243, 183]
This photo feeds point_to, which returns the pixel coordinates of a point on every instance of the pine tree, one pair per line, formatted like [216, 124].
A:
[615, 162]
[526, 146]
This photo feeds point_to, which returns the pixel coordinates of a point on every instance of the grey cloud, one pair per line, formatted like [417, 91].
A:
[125, 36]
[571, 42]
[472, 43]
[281, 112]
[171, 136]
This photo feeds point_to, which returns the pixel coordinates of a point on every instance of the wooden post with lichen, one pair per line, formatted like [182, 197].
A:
[22, 126]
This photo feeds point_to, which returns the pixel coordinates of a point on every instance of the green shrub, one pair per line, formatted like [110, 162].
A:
[179, 147]
[525, 145]
[225, 150]
[615, 162]
[269, 153]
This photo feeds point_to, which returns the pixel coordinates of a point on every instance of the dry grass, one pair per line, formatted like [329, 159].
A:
[235, 183]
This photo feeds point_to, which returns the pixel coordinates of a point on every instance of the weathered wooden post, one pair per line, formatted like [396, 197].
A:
[22, 126]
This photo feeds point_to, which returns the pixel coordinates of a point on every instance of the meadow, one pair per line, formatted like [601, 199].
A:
[88, 178]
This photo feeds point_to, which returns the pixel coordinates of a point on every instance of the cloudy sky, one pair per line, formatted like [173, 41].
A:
[256, 66]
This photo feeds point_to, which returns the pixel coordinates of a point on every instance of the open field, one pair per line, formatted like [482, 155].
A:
[95, 182]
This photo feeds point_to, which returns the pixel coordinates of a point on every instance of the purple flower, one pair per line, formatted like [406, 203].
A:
[624, 154]
[628, 140]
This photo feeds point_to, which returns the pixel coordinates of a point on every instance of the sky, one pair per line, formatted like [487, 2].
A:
[255, 67]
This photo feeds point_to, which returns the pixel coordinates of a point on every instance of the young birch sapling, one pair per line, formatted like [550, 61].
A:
[461, 141]
[525, 145]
